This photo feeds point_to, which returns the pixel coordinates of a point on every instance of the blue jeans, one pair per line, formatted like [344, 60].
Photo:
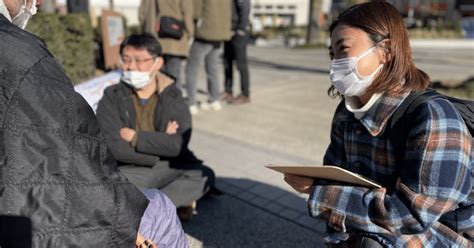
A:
[210, 54]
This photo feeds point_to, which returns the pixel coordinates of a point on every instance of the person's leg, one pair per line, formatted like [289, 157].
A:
[189, 187]
[203, 171]
[240, 46]
[172, 67]
[212, 63]
[196, 55]
[209, 174]
[145, 177]
[228, 67]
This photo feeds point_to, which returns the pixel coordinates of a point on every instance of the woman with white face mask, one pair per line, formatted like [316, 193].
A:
[426, 198]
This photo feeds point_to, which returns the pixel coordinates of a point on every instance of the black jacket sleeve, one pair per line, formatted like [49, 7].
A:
[243, 12]
[162, 144]
[109, 119]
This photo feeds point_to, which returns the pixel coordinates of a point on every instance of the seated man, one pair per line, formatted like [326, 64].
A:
[147, 125]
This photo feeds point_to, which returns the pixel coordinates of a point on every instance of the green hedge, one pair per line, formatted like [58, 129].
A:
[71, 40]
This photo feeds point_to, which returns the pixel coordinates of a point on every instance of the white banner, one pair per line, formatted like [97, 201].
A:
[93, 90]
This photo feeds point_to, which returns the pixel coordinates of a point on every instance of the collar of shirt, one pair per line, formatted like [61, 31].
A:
[353, 105]
[375, 114]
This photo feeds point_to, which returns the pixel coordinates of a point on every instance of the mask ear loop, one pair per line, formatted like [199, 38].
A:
[363, 55]
[385, 49]
[153, 73]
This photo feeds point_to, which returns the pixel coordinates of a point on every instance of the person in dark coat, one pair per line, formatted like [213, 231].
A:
[55, 171]
[147, 126]
[236, 50]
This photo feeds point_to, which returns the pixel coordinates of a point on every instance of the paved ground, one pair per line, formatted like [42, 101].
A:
[287, 122]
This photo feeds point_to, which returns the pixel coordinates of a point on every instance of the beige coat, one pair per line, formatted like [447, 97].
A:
[179, 9]
[214, 19]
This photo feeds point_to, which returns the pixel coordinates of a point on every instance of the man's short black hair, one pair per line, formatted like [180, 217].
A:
[143, 41]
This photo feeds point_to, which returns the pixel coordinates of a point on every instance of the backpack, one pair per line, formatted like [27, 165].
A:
[400, 126]
[400, 121]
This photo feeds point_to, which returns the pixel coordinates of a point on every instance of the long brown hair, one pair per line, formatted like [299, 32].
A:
[382, 21]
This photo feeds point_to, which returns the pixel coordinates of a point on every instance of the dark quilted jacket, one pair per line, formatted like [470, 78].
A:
[55, 167]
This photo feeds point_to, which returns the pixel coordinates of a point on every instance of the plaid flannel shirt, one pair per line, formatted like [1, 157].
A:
[435, 178]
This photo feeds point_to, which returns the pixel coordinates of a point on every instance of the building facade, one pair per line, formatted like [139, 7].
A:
[274, 13]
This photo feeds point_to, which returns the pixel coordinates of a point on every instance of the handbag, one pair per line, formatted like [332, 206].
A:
[168, 27]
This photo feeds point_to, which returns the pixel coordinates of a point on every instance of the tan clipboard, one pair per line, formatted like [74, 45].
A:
[326, 172]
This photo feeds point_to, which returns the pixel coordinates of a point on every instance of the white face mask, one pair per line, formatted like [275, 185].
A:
[136, 79]
[4, 11]
[346, 78]
[24, 15]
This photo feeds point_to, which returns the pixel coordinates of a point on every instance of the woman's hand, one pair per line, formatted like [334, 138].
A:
[172, 127]
[127, 134]
[299, 183]
[142, 243]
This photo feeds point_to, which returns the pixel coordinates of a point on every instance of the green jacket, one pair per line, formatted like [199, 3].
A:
[213, 19]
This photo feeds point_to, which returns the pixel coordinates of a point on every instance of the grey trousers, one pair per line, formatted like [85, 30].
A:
[182, 185]
[172, 67]
[210, 54]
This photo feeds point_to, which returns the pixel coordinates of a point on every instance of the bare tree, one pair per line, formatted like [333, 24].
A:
[312, 32]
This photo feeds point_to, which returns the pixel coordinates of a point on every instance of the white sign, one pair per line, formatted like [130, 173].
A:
[115, 29]
[93, 90]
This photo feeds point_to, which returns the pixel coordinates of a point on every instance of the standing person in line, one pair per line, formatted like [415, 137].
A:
[427, 197]
[174, 50]
[213, 26]
[236, 50]
[55, 170]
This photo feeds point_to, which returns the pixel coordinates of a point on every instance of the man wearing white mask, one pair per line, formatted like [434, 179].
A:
[147, 125]
[55, 169]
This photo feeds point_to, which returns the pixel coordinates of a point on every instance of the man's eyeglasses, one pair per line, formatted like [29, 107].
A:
[125, 60]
